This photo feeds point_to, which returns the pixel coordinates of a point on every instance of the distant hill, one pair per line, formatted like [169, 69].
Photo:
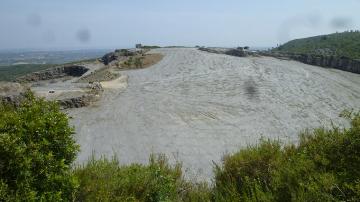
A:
[338, 44]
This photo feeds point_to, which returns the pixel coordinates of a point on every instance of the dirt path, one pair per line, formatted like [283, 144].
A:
[196, 106]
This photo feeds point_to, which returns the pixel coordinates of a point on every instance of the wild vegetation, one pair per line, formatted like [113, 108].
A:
[322, 167]
[37, 148]
[36, 151]
[338, 44]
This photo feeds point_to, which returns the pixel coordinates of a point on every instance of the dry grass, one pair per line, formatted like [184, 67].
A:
[147, 60]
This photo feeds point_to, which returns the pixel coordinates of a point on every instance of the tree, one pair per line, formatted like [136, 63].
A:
[36, 150]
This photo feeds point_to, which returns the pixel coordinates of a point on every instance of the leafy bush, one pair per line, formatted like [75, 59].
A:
[36, 150]
[108, 181]
[324, 166]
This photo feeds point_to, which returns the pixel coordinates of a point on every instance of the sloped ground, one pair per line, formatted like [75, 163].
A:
[195, 106]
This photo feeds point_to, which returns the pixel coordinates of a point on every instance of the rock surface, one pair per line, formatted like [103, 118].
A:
[76, 102]
[11, 93]
[342, 63]
[54, 73]
[117, 54]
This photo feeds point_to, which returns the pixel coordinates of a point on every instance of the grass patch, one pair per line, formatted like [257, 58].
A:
[107, 180]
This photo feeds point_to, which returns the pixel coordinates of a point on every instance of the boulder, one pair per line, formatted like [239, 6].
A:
[107, 58]
[76, 102]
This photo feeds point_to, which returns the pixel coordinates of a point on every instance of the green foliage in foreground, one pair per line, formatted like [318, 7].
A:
[36, 150]
[104, 180]
[323, 167]
[337, 44]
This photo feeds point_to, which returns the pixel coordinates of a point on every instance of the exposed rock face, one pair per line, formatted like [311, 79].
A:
[76, 102]
[14, 93]
[106, 59]
[109, 57]
[11, 93]
[342, 63]
[84, 100]
[55, 73]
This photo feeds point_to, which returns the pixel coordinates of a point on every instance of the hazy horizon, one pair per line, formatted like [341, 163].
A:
[78, 25]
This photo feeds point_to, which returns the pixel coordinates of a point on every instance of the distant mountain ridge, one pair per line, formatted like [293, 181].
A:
[345, 44]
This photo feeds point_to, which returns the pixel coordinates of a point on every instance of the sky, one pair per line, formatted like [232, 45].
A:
[90, 24]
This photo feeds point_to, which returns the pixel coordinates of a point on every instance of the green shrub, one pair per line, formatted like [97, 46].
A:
[246, 175]
[36, 150]
[324, 166]
[108, 181]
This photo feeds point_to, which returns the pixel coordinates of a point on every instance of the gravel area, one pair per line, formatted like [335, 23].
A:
[196, 106]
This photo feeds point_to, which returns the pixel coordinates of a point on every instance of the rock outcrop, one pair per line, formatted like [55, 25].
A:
[54, 73]
[76, 102]
[109, 57]
[11, 93]
[85, 100]
[14, 93]
[117, 54]
[342, 63]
